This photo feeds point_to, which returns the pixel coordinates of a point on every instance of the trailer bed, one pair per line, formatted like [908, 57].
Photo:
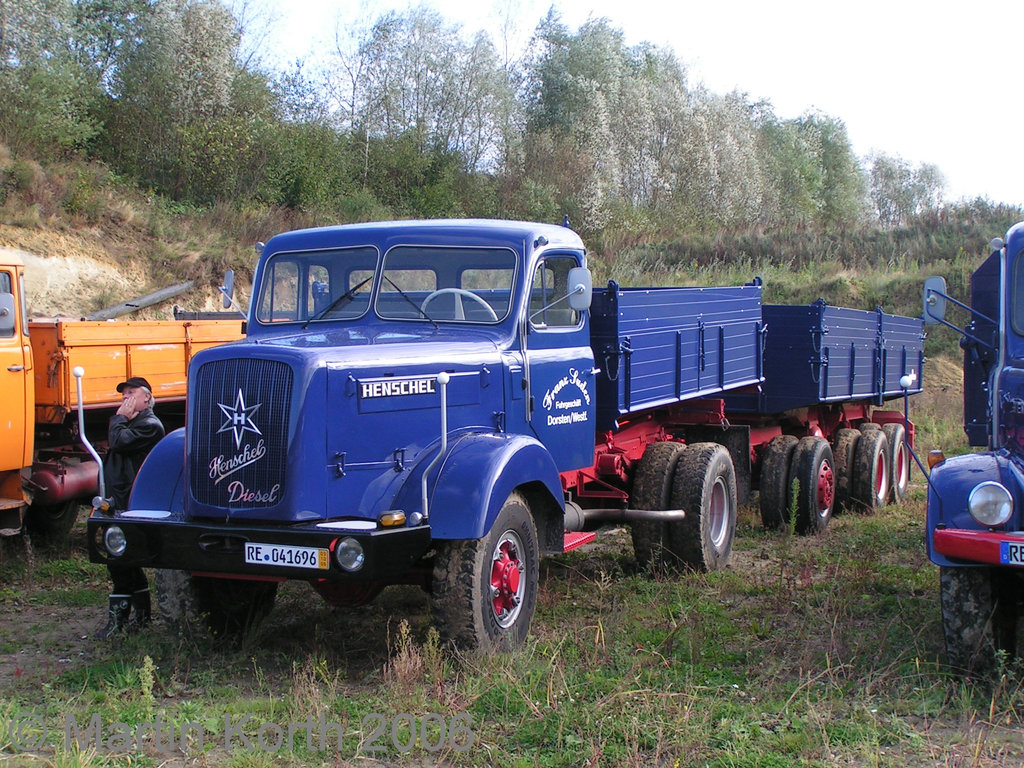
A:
[111, 352]
[658, 346]
[819, 354]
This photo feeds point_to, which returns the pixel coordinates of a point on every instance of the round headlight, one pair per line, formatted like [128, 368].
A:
[990, 504]
[349, 554]
[114, 541]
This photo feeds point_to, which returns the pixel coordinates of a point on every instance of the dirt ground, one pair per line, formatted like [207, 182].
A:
[70, 274]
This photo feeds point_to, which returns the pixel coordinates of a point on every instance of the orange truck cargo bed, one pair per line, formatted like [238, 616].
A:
[112, 351]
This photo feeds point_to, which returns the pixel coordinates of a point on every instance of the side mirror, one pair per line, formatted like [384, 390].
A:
[228, 289]
[934, 300]
[581, 289]
[8, 319]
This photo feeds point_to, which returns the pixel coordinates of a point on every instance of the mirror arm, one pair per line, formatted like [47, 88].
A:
[970, 310]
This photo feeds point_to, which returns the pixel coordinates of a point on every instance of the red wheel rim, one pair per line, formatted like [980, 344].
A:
[882, 482]
[507, 581]
[826, 488]
[902, 467]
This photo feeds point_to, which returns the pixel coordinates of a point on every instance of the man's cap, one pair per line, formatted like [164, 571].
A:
[134, 381]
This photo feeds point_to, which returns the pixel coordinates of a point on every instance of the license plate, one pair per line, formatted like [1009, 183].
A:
[1011, 553]
[287, 557]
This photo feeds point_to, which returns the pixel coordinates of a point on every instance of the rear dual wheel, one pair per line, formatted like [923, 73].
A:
[700, 480]
[774, 493]
[798, 483]
[652, 490]
[844, 449]
[705, 487]
[871, 467]
[899, 461]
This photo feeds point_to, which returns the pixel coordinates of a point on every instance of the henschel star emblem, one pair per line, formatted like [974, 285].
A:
[239, 418]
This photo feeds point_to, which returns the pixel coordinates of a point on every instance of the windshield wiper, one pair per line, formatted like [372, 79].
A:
[412, 303]
[347, 296]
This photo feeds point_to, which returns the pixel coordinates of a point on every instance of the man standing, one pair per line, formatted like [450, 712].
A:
[133, 432]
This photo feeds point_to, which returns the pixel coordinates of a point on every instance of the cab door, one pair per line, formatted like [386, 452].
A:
[15, 411]
[561, 403]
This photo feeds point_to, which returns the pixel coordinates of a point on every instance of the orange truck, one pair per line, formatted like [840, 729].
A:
[45, 471]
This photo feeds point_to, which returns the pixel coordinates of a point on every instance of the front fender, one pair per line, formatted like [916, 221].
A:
[477, 477]
[950, 485]
[159, 484]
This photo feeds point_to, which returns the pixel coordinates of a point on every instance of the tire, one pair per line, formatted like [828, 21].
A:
[899, 461]
[49, 525]
[871, 472]
[652, 489]
[705, 487]
[976, 621]
[226, 607]
[843, 451]
[774, 488]
[485, 590]
[812, 467]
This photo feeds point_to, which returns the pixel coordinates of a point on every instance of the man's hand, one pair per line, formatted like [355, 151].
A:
[127, 408]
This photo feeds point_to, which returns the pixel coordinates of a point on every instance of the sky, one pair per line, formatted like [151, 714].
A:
[931, 82]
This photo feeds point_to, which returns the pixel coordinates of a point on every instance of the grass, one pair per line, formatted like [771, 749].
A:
[804, 652]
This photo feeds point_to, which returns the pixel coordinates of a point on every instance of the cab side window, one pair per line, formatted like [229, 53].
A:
[549, 300]
[7, 289]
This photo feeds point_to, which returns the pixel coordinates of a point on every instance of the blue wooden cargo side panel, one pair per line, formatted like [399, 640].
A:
[657, 346]
[820, 354]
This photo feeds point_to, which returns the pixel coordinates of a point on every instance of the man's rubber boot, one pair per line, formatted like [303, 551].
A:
[117, 618]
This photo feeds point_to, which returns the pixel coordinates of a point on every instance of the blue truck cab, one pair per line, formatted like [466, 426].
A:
[975, 516]
[401, 384]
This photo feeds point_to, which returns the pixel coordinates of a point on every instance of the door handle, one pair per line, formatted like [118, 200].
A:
[15, 368]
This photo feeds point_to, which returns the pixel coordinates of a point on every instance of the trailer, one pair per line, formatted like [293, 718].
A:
[444, 402]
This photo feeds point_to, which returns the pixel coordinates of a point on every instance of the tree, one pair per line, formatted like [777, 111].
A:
[171, 98]
[46, 92]
[899, 192]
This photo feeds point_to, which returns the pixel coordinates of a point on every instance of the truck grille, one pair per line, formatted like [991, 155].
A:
[238, 433]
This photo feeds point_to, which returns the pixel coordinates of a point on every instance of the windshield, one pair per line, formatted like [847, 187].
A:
[436, 284]
[1017, 294]
[318, 285]
[418, 283]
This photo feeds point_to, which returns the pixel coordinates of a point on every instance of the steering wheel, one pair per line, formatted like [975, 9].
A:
[459, 293]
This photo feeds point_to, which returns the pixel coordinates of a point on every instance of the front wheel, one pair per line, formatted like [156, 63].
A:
[978, 618]
[485, 590]
[224, 606]
[49, 525]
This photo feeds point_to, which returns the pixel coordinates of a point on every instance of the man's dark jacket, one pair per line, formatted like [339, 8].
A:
[129, 442]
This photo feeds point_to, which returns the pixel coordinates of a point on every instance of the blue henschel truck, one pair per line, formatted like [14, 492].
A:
[975, 530]
[444, 402]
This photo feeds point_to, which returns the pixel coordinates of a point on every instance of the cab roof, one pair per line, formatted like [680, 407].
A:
[521, 235]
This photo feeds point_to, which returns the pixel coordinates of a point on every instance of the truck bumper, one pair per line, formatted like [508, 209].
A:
[987, 547]
[211, 548]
